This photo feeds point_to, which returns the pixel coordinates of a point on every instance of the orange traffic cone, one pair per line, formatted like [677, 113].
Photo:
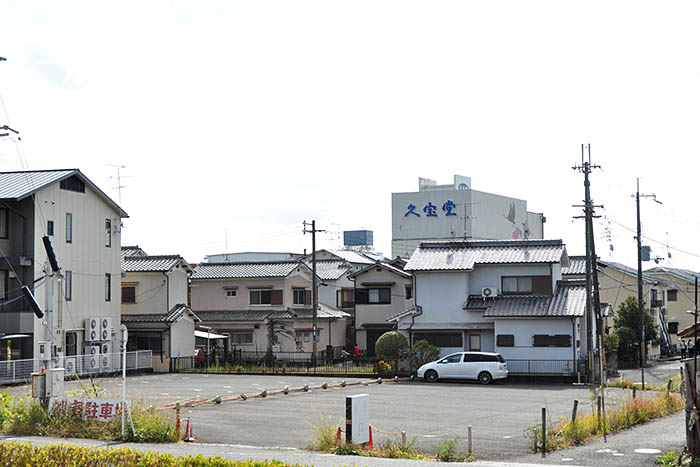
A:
[337, 435]
[189, 437]
[370, 444]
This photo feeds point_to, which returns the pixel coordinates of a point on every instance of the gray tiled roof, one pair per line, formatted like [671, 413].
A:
[329, 270]
[233, 315]
[175, 314]
[132, 251]
[463, 255]
[150, 263]
[19, 185]
[387, 266]
[569, 300]
[577, 266]
[244, 270]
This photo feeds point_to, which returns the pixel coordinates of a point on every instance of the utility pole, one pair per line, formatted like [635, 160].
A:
[640, 291]
[314, 286]
[592, 291]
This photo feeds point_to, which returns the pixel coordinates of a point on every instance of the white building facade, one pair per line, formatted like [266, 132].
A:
[457, 212]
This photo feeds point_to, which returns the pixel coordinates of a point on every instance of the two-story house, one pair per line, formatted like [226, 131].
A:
[241, 300]
[616, 283]
[679, 298]
[84, 226]
[154, 305]
[382, 290]
[498, 296]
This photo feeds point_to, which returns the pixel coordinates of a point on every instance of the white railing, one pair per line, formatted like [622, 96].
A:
[19, 371]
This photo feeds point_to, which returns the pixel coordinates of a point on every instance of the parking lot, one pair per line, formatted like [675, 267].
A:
[430, 413]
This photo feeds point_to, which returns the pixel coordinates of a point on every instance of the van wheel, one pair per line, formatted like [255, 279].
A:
[431, 376]
[485, 377]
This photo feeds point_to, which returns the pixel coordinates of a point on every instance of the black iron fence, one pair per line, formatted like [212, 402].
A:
[240, 361]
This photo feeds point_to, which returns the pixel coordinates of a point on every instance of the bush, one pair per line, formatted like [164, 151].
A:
[26, 416]
[391, 346]
[446, 451]
[423, 352]
[26, 455]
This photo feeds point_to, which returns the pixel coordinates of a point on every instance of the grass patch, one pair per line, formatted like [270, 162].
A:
[631, 412]
[626, 384]
[446, 451]
[325, 439]
[676, 459]
[26, 416]
[26, 455]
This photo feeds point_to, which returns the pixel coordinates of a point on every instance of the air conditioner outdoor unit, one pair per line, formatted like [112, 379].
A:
[92, 329]
[92, 362]
[94, 349]
[105, 329]
[489, 292]
[106, 362]
[106, 348]
[70, 364]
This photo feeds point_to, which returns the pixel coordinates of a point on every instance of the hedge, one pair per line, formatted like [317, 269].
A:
[25, 454]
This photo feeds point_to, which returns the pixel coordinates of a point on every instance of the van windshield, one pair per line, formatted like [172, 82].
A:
[501, 359]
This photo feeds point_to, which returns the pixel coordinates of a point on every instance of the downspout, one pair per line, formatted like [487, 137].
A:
[353, 328]
[167, 292]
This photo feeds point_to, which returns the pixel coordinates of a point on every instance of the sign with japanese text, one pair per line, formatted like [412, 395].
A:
[101, 410]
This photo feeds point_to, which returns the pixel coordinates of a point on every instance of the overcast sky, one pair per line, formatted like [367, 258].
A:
[236, 121]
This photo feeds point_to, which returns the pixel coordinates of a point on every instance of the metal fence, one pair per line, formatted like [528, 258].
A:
[545, 367]
[19, 371]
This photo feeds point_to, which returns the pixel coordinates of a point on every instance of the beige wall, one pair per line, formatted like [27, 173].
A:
[155, 294]
[685, 301]
[378, 314]
[210, 294]
[87, 256]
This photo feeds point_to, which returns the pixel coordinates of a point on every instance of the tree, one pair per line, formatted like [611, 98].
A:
[391, 346]
[627, 328]
[275, 330]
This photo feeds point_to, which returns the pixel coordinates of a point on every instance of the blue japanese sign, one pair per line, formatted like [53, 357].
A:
[430, 209]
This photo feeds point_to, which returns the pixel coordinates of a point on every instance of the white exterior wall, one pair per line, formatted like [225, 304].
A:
[328, 294]
[177, 286]
[87, 257]
[150, 293]
[491, 275]
[524, 329]
[182, 334]
[442, 296]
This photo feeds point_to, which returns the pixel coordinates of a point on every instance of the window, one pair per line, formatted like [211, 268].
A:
[505, 340]
[453, 359]
[49, 228]
[4, 223]
[71, 344]
[475, 342]
[440, 339]
[69, 285]
[108, 287]
[4, 283]
[376, 296]
[73, 184]
[557, 340]
[69, 227]
[345, 298]
[672, 295]
[128, 293]
[409, 292]
[673, 327]
[108, 232]
[230, 293]
[301, 297]
[302, 336]
[266, 297]
[241, 338]
[515, 285]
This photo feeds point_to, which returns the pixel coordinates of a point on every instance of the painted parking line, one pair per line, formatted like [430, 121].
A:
[647, 451]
